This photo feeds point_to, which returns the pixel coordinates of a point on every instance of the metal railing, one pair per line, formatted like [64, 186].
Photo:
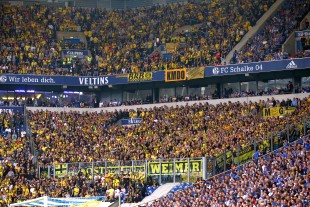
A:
[29, 136]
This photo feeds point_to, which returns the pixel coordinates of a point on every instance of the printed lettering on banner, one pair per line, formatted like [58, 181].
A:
[27, 79]
[61, 170]
[257, 67]
[165, 168]
[175, 75]
[277, 111]
[132, 121]
[11, 109]
[89, 81]
[137, 77]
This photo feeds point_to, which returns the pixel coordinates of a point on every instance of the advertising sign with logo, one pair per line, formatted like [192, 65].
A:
[75, 53]
[82, 80]
[167, 75]
[137, 77]
[259, 67]
[132, 121]
[61, 80]
[175, 75]
[11, 109]
[305, 33]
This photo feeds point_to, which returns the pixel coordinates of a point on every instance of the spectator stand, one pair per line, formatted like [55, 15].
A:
[172, 170]
[169, 170]
[267, 44]
[233, 174]
[110, 173]
[115, 50]
[259, 25]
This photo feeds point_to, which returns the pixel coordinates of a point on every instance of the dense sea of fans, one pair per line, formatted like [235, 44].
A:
[278, 179]
[29, 44]
[267, 44]
[211, 129]
[204, 130]
[123, 41]
[20, 179]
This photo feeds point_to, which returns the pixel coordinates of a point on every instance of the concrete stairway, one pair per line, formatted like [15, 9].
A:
[259, 25]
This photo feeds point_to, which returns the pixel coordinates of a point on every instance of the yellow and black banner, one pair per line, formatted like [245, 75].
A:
[264, 146]
[195, 73]
[154, 168]
[61, 170]
[171, 47]
[277, 111]
[289, 109]
[245, 154]
[112, 169]
[175, 75]
[121, 75]
[167, 168]
[137, 77]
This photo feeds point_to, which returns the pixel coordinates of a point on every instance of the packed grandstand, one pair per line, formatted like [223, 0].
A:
[249, 148]
[29, 44]
[205, 130]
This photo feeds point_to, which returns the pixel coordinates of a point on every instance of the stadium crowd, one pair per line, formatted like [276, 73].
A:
[204, 130]
[20, 179]
[278, 179]
[211, 129]
[122, 41]
[17, 167]
[267, 44]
